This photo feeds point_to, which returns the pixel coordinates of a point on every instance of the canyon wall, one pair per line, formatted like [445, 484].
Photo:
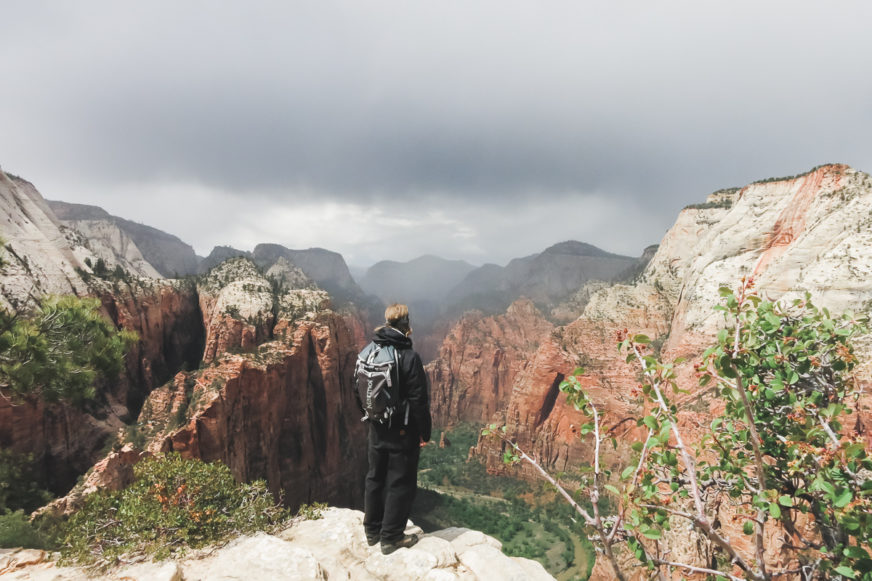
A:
[286, 414]
[38, 258]
[42, 256]
[479, 359]
[65, 440]
[811, 232]
[273, 398]
[238, 366]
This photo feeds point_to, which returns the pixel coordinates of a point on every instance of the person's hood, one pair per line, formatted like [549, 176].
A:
[390, 336]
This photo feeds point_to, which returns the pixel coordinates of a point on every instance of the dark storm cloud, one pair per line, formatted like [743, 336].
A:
[654, 104]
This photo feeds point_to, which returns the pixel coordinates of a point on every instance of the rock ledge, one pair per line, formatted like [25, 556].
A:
[333, 547]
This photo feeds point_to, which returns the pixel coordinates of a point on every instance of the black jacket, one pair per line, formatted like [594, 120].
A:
[412, 381]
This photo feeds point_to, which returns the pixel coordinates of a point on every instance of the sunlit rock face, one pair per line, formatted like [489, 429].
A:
[101, 235]
[39, 259]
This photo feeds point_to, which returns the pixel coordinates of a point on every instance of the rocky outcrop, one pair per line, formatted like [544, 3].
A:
[324, 268]
[141, 249]
[283, 409]
[477, 364]
[332, 547]
[237, 305]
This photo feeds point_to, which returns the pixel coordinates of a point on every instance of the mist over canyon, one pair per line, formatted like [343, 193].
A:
[246, 356]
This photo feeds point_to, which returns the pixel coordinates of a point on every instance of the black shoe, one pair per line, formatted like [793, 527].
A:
[407, 541]
[371, 541]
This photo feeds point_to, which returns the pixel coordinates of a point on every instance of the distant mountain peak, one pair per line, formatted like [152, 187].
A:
[576, 248]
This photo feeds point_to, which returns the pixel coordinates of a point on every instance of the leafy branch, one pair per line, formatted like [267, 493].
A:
[778, 455]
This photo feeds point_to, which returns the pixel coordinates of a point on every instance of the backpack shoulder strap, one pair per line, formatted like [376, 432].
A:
[374, 350]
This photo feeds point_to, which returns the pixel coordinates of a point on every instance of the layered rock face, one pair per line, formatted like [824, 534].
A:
[167, 318]
[44, 257]
[275, 399]
[285, 411]
[477, 364]
[63, 441]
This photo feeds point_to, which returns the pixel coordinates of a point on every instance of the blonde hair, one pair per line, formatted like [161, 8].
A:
[397, 316]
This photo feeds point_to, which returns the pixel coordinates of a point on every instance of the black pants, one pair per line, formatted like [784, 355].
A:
[390, 483]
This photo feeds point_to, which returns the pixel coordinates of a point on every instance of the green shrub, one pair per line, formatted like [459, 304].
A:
[57, 352]
[173, 504]
[16, 530]
[311, 511]
[19, 488]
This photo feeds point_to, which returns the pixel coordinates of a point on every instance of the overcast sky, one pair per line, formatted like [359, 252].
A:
[472, 129]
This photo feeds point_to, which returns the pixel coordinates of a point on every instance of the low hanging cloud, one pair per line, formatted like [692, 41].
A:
[463, 118]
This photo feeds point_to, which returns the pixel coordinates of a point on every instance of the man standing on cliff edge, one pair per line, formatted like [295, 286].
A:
[393, 448]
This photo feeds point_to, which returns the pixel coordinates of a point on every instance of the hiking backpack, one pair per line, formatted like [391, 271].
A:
[377, 377]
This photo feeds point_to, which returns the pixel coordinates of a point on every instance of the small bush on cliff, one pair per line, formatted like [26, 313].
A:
[19, 483]
[778, 465]
[173, 504]
[16, 530]
[58, 351]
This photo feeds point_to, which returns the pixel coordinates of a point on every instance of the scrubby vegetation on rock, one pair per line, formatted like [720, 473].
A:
[173, 504]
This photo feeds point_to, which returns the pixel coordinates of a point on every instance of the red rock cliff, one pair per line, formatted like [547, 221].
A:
[472, 377]
[66, 441]
[285, 413]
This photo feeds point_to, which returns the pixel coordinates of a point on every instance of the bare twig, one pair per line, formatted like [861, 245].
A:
[593, 521]
[700, 520]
